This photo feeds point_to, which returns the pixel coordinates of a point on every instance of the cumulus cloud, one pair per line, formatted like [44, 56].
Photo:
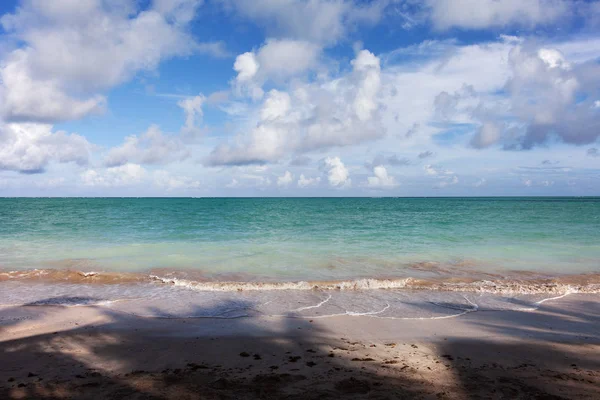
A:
[156, 147]
[285, 179]
[166, 180]
[456, 107]
[24, 98]
[122, 175]
[30, 148]
[317, 21]
[246, 65]
[249, 180]
[482, 14]
[337, 173]
[192, 106]
[593, 152]
[488, 134]
[431, 170]
[285, 57]
[276, 106]
[307, 181]
[425, 154]
[548, 97]
[443, 176]
[151, 147]
[71, 50]
[277, 60]
[446, 181]
[553, 96]
[313, 116]
[381, 179]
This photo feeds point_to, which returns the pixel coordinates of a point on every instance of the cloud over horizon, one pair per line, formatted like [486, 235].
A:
[297, 97]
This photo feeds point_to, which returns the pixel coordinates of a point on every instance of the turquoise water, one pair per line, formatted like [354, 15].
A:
[306, 258]
[299, 238]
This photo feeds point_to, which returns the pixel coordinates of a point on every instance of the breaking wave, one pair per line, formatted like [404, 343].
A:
[525, 283]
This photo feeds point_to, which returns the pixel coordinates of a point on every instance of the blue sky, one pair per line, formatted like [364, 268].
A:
[299, 98]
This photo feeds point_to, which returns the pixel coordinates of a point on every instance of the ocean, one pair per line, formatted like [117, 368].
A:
[299, 257]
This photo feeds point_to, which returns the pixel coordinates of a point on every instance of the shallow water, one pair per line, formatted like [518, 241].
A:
[275, 256]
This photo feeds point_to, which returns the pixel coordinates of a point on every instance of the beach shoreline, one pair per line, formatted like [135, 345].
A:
[95, 352]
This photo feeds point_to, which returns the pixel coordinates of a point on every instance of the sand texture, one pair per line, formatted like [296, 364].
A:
[53, 352]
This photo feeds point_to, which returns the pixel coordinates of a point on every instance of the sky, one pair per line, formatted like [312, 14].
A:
[299, 98]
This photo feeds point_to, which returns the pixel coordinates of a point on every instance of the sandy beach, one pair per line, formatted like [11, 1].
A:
[52, 352]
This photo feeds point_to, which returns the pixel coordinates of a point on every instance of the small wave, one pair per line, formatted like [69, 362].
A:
[495, 287]
[508, 285]
[358, 284]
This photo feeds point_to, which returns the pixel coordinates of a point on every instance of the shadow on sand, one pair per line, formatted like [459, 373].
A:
[547, 355]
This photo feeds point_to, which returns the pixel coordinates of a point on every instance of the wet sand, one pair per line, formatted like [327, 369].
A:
[83, 352]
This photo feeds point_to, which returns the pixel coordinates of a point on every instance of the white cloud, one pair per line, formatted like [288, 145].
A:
[337, 173]
[548, 96]
[306, 182]
[553, 96]
[339, 112]
[192, 106]
[123, 175]
[488, 134]
[156, 147]
[436, 171]
[480, 182]
[165, 180]
[443, 176]
[30, 148]
[180, 11]
[73, 49]
[429, 170]
[365, 102]
[24, 98]
[277, 60]
[381, 179]
[246, 65]
[151, 147]
[277, 105]
[249, 180]
[284, 58]
[318, 21]
[446, 181]
[482, 14]
[285, 179]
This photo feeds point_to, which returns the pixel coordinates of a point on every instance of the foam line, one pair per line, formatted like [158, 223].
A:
[315, 306]
[552, 298]
[539, 303]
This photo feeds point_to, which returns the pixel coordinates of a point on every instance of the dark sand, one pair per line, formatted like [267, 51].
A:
[94, 352]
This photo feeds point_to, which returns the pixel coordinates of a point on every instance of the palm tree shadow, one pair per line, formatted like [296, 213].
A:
[126, 356]
[541, 355]
[550, 353]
